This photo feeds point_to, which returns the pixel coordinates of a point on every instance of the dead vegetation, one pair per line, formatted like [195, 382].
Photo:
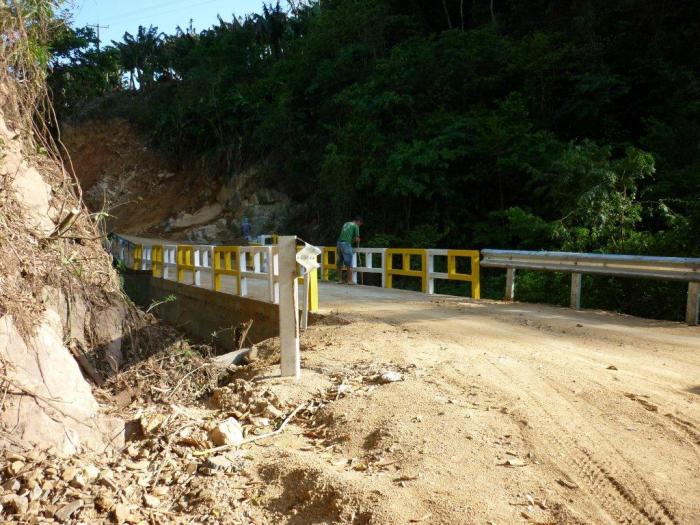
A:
[67, 255]
[182, 462]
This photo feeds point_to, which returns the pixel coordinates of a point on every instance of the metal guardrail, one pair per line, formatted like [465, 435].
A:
[660, 268]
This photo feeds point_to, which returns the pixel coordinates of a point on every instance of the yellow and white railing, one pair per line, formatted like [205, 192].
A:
[410, 262]
[226, 269]
[229, 269]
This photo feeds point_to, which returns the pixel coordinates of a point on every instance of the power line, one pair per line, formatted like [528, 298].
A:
[137, 12]
[129, 18]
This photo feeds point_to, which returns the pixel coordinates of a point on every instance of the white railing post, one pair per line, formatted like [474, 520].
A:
[197, 275]
[275, 270]
[243, 268]
[382, 255]
[289, 308]
[210, 257]
[431, 269]
[355, 258]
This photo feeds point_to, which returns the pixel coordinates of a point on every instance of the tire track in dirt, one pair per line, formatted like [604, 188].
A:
[686, 427]
[573, 431]
[614, 485]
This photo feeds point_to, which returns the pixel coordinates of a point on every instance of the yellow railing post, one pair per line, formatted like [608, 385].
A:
[230, 256]
[388, 269]
[138, 257]
[184, 261]
[473, 277]
[327, 266]
[406, 270]
[157, 260]
[476, 276]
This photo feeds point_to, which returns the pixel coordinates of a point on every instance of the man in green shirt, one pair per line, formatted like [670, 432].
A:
[349, 235]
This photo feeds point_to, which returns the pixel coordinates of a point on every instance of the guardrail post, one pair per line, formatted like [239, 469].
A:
[289, 308]
[576, 291]
[510, 284]
[691, 314]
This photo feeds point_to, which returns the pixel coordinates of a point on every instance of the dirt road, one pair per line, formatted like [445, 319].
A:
[508, 413]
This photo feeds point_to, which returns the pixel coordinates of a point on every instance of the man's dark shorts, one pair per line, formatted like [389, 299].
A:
[344, 255]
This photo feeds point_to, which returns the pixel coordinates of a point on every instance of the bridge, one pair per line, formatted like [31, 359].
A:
[253, 271]
[598, 411]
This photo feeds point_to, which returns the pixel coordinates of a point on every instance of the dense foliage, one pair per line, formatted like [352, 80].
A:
[535, 124]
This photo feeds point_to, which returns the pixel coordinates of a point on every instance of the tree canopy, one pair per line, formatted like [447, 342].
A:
[535, 124]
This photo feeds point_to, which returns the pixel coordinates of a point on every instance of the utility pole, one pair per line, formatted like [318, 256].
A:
[97, 27]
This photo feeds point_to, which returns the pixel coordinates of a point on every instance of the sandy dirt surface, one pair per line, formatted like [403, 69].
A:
[507, 413]
[411, 409]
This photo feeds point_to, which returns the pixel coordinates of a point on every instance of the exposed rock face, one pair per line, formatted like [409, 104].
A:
[204, 215]
[53, 404]
[59, 300]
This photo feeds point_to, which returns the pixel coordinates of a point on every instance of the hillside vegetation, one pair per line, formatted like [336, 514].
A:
[501, 124]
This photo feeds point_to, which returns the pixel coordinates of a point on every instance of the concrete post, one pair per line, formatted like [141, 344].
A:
[382, 258]
[576, 291]
[355, 261]
[510, 284]
[289, 308]
[198, 263]
[431, 268]
[242, 267]
[210, 258]
[691, 314]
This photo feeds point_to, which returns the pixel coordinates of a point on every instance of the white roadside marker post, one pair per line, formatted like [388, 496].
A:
[289, 308]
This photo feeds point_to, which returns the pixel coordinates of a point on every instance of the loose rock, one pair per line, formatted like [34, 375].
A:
[65, 512]
[390, 376]
[16, 504]
[121, 514]
[228, 432]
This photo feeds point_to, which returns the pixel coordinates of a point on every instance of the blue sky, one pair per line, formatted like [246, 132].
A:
[126, 15]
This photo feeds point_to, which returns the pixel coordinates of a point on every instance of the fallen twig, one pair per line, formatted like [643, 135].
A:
[255, 438]
[281, 427]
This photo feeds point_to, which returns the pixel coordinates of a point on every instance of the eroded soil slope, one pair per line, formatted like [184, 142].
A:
[144, 191]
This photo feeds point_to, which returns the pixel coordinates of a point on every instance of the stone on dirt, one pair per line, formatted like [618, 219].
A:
[15, 504]
[228, 432]
[65, 512]
[390, 376]
[151, 501]
[121, 513]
